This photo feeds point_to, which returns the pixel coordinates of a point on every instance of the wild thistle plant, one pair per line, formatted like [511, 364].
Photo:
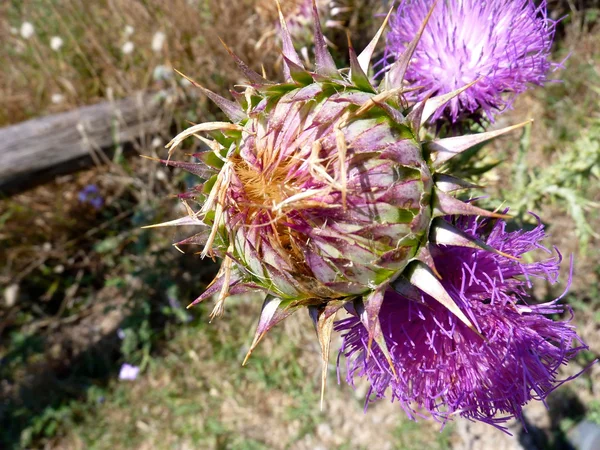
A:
[321, 193]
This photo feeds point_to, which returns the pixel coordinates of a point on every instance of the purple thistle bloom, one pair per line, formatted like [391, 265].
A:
[505, 42]
[445, 368]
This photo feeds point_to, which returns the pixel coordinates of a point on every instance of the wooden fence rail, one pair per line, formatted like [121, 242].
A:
[60, 143]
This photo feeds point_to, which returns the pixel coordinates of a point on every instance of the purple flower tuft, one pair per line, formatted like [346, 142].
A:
[445, 368]
[505, 42]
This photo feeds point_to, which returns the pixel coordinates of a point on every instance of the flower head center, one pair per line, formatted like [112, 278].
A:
[263, 190]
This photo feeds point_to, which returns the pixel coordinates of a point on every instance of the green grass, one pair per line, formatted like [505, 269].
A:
[181, 395]
[409, 435]
[556, 165]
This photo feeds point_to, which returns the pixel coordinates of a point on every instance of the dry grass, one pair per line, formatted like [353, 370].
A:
[93, 62]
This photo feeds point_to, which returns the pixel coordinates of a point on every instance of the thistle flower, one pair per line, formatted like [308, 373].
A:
[445, 368]
[504, 44]
[319, 191]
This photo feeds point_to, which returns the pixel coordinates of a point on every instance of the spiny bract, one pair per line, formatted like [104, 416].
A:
[320, 192]
[339, 17]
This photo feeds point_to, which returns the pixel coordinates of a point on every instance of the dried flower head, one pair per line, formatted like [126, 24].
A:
[441, 366]
[505, 44]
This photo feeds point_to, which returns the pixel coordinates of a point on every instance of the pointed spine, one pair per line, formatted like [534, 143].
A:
[182, 221]
[254, 78]
[443, 233]
[378, 99]
[364, 59]
[448, 183]
[324, 64]
[273, 311]
[415, 117]
[324, 327]
[196, 239]
[442, 150]
[369, 316]
[288, 46]
[395, 75]
[421, 276]
[208, 126]
[446, 205]
[357, 75]
[435, 103]
[231, 109]
[200, 170]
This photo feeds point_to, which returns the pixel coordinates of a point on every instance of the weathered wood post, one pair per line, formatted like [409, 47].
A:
[67, 141]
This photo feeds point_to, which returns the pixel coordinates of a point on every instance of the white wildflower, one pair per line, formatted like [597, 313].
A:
[127, 47]
[56, 43]
[27, 30]
[158, 40]
[129, 30]
[57, 99]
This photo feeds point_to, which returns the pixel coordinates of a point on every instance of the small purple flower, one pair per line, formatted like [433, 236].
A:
[445, 368]
[91, 195]
[506, 43]
[128, 372]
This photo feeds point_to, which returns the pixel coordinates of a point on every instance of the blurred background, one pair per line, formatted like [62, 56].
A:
[97, 349]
